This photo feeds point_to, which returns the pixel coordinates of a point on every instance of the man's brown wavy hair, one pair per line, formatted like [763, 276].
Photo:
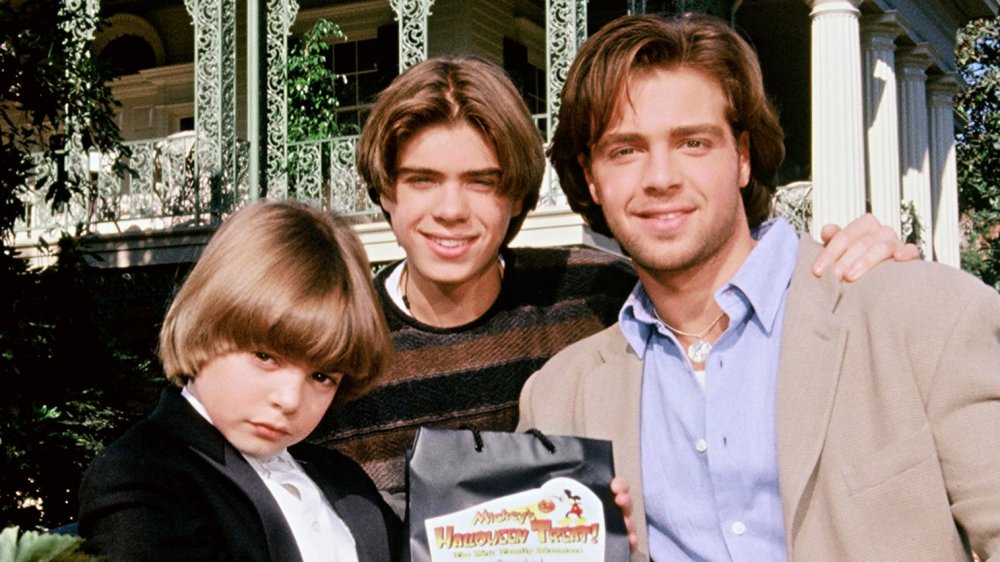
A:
[599, 76]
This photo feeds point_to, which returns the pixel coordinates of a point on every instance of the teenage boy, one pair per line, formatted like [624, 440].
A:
[453, 158]
[759, 412]
[276, 321]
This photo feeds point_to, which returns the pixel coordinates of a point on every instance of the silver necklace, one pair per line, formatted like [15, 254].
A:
[698, 351]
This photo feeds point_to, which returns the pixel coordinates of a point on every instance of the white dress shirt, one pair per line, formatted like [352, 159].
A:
[321, 535]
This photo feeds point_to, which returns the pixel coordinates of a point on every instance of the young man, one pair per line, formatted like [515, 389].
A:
[451, 154]
[454, 159]
[759, 412]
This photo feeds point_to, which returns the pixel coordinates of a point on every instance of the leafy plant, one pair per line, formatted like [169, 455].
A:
[312, 109]
[978, 56]
[912, 230]
[312, 84]
[52, 96]
[67, 384]
[40, 547]
[70, 387]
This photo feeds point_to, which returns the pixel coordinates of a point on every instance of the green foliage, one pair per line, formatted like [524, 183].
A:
[38, 547]
[49, 81]
[312, 107]
[69, 387]
[912, 230]
[66, 384]
[312, 84]
[978, 55]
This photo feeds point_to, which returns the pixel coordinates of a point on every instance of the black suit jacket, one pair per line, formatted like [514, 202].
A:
[172, 488]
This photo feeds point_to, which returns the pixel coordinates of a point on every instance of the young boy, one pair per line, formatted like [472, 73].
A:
[276, 321]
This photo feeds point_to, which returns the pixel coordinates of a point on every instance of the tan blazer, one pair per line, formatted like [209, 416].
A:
[888, 415]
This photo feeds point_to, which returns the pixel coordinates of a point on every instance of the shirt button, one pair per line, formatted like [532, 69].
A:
[739, 528]
[700, 445]
[315, 525]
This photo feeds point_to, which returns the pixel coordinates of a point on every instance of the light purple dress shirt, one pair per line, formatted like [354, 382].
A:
[709, 457]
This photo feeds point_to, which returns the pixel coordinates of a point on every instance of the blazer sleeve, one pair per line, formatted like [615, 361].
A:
[964, 413]
[128, 514]
[378, 546]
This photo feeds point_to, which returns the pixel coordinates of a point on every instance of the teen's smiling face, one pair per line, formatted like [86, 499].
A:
[668, 173]
[447, 214]
[263, 403]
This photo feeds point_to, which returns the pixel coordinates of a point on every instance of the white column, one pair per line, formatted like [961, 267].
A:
[838, 154]
[944, 175]
[915, 163]
[878, 38]
[412, 17]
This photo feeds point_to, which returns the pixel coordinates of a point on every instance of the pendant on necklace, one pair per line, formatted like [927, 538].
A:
[698, 350]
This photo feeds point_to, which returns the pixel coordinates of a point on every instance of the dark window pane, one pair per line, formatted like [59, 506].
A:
[367, 55]
[543, 126]
[347, 121]
[367, 87]
[347, 93]
[344, 58]
[388, 54]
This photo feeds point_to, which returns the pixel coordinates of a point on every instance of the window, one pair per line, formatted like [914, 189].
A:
[529, 79]
[367, 66]
[128, 54]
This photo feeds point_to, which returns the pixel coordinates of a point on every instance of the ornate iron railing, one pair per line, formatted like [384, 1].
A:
[322, 173]
[161, 192]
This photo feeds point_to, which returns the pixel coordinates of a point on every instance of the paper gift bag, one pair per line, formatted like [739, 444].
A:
[494, 496]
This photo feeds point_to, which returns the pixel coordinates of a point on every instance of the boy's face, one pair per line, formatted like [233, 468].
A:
[263, 403]
[668, 172]
[447, 214]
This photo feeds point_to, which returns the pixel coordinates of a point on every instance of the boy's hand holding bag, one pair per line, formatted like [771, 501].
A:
[492, 496]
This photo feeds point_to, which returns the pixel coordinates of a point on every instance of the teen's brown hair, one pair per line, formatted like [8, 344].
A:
[447, 90]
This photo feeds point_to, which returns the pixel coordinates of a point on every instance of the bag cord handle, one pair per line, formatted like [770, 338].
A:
[476, 435]
[546, 442]
[478, 438]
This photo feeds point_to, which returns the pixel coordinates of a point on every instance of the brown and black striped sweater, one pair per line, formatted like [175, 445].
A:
[473, 374]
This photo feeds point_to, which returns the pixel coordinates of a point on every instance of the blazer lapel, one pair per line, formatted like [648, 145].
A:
[612, 395]
[358, 514]
[280, 541]
[184, 423]
[812, 350]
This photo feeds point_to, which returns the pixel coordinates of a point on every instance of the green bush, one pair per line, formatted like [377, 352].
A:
[70, 387]
[978, 56]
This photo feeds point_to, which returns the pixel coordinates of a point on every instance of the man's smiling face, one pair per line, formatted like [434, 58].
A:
[447, 214]
[668, 171]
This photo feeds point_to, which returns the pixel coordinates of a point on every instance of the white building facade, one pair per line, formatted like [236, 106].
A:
[864, 89]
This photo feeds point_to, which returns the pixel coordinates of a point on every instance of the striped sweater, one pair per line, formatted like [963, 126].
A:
[473, 374]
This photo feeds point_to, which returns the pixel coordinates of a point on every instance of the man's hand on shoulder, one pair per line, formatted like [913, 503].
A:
[855, 249]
